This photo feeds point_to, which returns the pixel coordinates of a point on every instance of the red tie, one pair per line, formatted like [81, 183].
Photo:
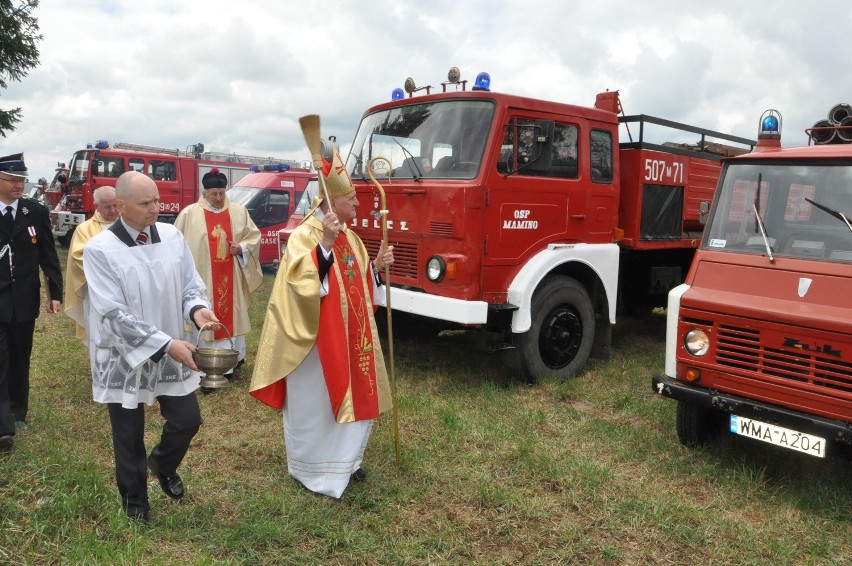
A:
[141, 239]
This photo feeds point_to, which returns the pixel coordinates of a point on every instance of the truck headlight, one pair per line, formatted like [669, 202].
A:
[436, 267]
[696, 342]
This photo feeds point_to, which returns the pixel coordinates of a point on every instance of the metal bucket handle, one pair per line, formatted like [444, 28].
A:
[206, 324]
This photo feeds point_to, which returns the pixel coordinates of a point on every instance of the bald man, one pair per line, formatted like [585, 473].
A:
[106, 212]
[142, 288]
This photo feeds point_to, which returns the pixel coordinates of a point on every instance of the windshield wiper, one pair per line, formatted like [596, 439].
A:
[760, 225]
[831, 211]
[758, 221]
[357, 168]
[416, 174]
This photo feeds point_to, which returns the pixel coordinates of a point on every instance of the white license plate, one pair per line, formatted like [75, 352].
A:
[779, 436]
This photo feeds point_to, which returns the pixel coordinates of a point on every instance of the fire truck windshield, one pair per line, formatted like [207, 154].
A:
[437, 140]
[307, 198]
[79, 166]
[794, 201]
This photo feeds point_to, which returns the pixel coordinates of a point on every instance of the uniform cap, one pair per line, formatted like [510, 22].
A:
[13, 165]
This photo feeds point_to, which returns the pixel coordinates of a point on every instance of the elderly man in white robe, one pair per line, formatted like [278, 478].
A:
[142, 287]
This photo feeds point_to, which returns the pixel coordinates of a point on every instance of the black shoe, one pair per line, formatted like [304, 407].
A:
[359, 475]
[7, 441]
[172, 485]
[139, 517]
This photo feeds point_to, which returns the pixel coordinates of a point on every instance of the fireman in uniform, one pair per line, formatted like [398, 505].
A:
[26, 244]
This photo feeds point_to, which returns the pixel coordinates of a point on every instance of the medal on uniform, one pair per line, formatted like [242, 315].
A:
[31, 230]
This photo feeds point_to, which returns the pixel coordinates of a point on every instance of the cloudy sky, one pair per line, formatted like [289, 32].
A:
[237, 75]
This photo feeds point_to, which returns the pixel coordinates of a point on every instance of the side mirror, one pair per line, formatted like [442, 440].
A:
[703, 209]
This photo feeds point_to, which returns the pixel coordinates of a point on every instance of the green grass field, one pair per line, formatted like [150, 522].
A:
[492, 472]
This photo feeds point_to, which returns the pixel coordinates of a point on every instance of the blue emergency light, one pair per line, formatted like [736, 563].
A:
[277, 167]
[102, 144]
[770, 125]
[483, 82]
[397, 94]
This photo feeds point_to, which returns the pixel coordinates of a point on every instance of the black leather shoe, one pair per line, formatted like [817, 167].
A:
[140, 517]
[7, 441]
[359, 475]
[172, 485]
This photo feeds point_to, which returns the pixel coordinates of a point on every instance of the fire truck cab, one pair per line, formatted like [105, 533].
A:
[271, 193]
[759, 336]
[530, 218]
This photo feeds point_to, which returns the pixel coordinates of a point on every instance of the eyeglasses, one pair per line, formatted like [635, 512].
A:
[15, 180]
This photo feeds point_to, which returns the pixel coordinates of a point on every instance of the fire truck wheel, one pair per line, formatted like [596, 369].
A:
[561, 334]
[696, 425]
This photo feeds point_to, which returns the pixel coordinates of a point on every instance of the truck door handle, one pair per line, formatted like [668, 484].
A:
[414, 191]
[577, 217]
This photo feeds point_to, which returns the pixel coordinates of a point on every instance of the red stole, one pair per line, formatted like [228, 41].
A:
[345, 344]
[219, 236]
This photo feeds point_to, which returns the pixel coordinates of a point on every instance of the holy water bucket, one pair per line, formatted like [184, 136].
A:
[214, 362]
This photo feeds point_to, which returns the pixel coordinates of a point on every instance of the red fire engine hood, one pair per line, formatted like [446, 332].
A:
[790, 291]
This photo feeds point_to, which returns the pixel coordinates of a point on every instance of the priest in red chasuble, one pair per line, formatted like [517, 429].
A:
[319, 357]
[225, 245]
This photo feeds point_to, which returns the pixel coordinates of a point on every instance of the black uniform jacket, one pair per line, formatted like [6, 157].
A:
[32, 248]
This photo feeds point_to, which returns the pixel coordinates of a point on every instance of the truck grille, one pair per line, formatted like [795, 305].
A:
[405, 259]
[441, 229]
[742, 349]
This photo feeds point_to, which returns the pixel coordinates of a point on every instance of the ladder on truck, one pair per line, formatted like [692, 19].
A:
[251, 160]
[207, 155]
[147, 148]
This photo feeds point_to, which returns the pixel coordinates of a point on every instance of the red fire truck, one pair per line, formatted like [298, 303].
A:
[759, 337]
[531, 218]
[177, 174]
[303, 206]
[271, 193]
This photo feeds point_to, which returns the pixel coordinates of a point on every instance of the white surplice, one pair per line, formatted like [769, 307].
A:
[138, 299]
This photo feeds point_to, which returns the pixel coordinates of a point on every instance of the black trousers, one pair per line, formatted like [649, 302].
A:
[16, 346]
[183, 419]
